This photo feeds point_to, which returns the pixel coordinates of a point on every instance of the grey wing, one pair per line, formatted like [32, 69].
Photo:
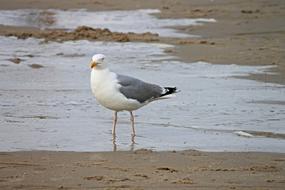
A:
[139, 90]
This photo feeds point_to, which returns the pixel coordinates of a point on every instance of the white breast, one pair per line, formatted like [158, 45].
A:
[106, 90]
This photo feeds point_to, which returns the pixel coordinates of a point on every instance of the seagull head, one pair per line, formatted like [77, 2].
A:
[97, 60]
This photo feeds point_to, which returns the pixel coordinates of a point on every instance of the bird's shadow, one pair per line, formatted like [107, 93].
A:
[132, 144]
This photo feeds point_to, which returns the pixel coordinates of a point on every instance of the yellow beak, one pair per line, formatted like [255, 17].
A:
[93, 64]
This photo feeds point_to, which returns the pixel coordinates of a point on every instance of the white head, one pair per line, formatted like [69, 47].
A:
[97, 60]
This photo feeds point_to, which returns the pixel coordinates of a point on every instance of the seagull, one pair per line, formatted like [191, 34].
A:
[123, 93]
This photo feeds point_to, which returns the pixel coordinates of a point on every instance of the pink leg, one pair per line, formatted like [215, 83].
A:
[114, 123]
[133, 123]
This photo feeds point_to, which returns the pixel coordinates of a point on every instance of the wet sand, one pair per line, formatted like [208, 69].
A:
[251, 33]
[141, 169]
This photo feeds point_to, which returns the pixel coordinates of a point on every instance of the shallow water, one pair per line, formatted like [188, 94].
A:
[138, 21]
[52, 107]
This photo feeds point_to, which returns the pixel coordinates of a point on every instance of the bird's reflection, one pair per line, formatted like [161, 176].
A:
[132, 145]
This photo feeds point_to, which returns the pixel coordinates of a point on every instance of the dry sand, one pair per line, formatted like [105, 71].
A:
[247, 33]
[141, 169]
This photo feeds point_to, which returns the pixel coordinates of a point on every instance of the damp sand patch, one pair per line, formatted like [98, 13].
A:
[35, 66]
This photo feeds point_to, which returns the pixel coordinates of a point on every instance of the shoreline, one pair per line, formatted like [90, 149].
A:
[247, 31]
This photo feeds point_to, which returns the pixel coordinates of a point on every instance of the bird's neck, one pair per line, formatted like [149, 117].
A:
[99, 77]
[97, 73]
[100, 69]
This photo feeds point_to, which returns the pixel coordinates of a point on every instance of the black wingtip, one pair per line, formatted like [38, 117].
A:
[169, 90]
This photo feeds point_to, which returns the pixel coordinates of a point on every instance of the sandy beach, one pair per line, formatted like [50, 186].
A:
[141, 169]
[247, 33]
